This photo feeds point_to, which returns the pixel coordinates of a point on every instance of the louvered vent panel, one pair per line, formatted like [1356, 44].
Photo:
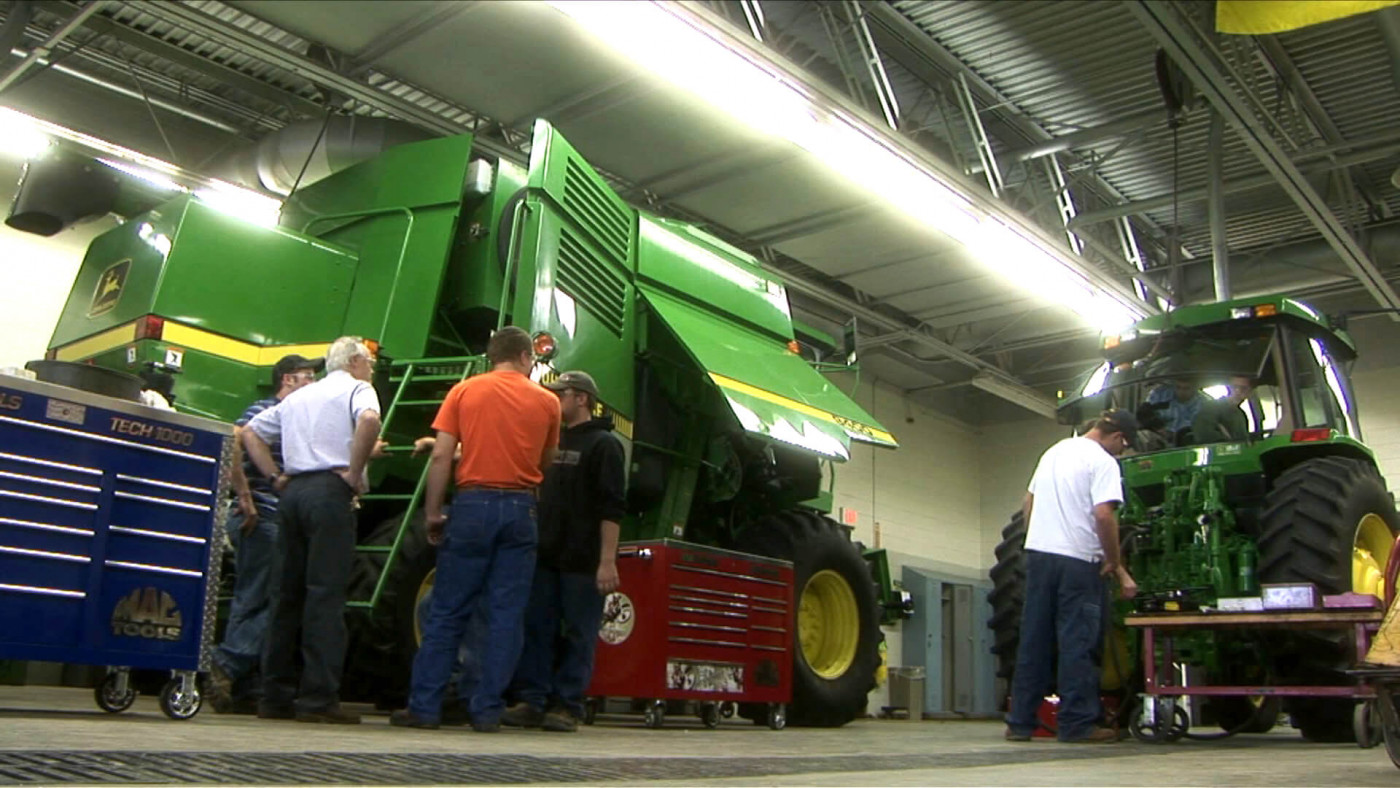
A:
[594, 284]
[598, 212]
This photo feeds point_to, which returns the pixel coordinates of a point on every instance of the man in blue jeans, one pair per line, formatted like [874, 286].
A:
[252, 528]
[1071, 546]
[508, 429]
[581, 508]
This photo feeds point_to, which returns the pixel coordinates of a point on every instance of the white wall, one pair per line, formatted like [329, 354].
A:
[38, 273]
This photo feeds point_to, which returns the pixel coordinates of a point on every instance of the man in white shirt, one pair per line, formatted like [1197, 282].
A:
[328, 431]
[1071, 546]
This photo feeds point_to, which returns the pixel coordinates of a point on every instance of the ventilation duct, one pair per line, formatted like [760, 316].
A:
[274, 163]
[58, 190]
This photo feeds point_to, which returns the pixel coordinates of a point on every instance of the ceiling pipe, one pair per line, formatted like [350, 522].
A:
[302, 153]
[43, 50]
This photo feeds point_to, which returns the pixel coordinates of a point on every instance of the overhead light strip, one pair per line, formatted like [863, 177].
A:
[673, 43]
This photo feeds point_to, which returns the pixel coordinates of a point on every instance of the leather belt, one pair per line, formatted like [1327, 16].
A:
[482, 488]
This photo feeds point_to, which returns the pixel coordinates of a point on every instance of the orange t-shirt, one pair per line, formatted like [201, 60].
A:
[504, 421]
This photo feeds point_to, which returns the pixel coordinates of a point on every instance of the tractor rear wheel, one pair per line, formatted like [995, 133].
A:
[837, 643]
[379, 659]
[1328, 521]
[1008, 595]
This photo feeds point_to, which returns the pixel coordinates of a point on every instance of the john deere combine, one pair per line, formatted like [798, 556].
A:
[425, 250]
[1298, 499]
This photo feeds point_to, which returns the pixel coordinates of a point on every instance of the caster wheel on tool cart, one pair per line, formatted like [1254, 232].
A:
[1160, 732]
[178, 704]
[726, 709]
[109, 699]
[709, 714]
[655, 714]
[777, 716]
[1367, 724]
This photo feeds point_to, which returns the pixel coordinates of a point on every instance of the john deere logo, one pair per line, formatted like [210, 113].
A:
[147, 613]
[109, 288]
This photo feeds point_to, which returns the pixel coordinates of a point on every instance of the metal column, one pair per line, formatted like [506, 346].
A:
[1215, 207]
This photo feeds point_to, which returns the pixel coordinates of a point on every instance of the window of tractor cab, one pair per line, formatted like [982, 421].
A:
[1321, 382]
[1145, 376]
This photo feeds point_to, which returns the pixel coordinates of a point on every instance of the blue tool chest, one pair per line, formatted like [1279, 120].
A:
[111, 517]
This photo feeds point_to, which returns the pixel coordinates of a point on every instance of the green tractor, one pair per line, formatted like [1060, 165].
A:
[425, 250]
[1294, 497]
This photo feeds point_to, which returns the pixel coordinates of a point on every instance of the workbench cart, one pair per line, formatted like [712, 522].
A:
[1162, 720]
[699, 624]
[111, 517]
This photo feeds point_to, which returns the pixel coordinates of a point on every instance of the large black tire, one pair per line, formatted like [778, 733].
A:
[1245, 715]
[379, 660]
[1008, 594]
[816, 544]
[1307, 532]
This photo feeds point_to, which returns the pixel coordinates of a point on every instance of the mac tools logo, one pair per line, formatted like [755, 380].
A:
[147, 613]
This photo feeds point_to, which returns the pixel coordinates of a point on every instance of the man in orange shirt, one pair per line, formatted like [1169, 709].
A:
[508, 429]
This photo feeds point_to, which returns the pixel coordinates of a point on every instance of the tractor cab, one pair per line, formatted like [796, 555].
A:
[1280, 365]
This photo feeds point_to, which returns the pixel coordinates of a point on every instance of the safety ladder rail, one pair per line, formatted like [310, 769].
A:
[410, 376]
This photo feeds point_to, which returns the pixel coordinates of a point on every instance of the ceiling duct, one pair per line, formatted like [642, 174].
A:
[275, 162]
[58, 190]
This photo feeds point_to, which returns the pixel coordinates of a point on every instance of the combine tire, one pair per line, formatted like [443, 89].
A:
[1330, 522]
[383, 641]
[1008, 595]
[838, 617]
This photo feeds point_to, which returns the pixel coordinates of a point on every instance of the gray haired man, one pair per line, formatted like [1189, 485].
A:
[328, 431]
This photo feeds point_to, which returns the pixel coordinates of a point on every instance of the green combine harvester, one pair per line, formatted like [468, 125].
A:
[426, 249]
[1297, 500]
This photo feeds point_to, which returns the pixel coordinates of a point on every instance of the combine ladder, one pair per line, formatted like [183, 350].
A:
[420, 384]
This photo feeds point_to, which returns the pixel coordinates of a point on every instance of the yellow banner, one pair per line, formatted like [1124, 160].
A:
[1261, 17]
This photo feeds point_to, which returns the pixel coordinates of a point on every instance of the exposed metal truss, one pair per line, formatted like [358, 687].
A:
[1225, 89]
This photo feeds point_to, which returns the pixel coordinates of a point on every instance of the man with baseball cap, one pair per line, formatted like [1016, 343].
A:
[252, 528]
[581, 508]
[1071, 546]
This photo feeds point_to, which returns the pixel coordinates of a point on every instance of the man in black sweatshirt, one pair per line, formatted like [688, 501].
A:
[581, 505]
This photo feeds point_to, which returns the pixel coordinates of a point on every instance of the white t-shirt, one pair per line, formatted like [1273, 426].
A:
[317, 422]
[1073, 477]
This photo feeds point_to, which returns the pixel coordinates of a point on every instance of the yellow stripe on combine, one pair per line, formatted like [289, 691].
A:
[189, 338]
[98, 343]
[802, 407]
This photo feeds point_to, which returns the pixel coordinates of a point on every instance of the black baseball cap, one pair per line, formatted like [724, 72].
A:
[291, 363]
[574, 379]
[1126, 423]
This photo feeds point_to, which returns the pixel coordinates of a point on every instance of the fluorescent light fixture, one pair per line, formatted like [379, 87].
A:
[241, 203]
[1015, 393]
[149, 176]
[21, 139]
[665, 40]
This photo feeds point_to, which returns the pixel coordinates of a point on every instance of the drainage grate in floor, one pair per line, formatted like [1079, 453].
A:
[47, 768]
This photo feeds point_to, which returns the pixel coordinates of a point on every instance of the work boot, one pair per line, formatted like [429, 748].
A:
[219, 689]
[1012, 735]
[403, 718]
[1096, 736]
[560, 721]
[486, 726]
[522, 715]
[333, 715]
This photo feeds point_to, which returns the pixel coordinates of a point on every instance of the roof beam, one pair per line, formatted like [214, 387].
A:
[1185, 44]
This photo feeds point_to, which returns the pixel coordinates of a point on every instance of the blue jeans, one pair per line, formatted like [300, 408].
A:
[489, 549]
[556, 666]
[251, 608]
[1063, 616]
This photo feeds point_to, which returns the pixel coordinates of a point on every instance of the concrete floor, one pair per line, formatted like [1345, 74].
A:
[47, 725]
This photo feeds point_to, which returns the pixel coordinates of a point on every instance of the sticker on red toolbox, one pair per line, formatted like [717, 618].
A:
[683, 674]
[618, 618]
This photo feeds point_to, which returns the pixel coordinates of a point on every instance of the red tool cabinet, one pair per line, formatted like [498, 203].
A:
[699, 624]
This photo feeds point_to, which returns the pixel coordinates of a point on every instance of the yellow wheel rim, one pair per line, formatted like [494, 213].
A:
[1370, 553]
[828, 624]
[424, 588]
